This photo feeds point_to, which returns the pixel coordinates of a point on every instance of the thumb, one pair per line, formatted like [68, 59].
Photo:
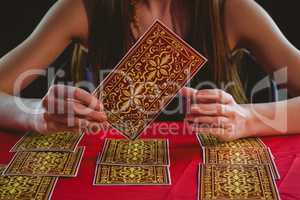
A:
[188, 92]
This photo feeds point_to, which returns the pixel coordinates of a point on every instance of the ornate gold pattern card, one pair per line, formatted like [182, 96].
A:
[26, 187]
[242, 156]
[131, 175]
[60, 141]
[153, 152]
[236, 182]
[147, 79]
[45, 163]
[206, 140]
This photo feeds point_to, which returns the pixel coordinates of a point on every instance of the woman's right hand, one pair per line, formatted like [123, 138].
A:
[66, 108]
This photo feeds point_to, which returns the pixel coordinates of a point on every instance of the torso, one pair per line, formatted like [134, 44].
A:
[177, 22]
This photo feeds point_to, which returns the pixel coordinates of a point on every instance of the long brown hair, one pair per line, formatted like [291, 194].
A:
[110, 30]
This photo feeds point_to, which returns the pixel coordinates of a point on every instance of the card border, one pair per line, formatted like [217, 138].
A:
[40, 175]
[14, 148]
[273, 166]
[271, 162]
[133, 48]
[50, 190]
[262, 144]
[166, 167]
[100, 155]
[269, 171]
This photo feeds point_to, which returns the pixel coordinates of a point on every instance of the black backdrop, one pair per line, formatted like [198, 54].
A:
[18, 19]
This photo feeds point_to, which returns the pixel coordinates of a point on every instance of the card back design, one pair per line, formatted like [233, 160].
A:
[242, 156]
[207, 140]
[138, 152]
[26, 187]
[131, 175]
[45, 163]
[147, 79]
[246, 182]
[59, 141]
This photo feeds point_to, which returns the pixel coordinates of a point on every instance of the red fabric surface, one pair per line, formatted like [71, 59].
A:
[185, 154]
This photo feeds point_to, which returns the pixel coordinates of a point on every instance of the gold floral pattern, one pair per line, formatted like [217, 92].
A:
[207, 140]
[26, 187]
[137, 152]
[237, 182]
[240, 156]
[131, 175]
[132, 98]
[59, 141]
[45, 163]
[159, 67]
[146, 79]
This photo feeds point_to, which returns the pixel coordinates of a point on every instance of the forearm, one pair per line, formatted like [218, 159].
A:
[16, 113]
[278, 118]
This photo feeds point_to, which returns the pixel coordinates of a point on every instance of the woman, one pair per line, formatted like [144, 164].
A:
[108, 28]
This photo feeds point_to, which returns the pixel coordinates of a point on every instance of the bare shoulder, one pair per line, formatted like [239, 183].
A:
[69, 16]
[243, 18]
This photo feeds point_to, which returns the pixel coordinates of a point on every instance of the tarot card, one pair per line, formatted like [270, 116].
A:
[147, 79]
[131, 175]
[63, 164]
[26, 187]
[207, 140]
[59, 141]
[247, 182]
[154, 152]
[242, 156]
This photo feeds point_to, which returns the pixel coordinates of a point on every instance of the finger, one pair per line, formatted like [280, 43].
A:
[214, 95]
[195, 96]
[66, 120]
[59, 106]
[88, 113]
[207, 95]
[213, 109]
[53, 126]
[68, 92]
[220, 133]
[189, 93]
[88, 99]
[215, 121]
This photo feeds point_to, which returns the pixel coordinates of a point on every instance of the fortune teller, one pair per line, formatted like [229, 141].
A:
[221, 30]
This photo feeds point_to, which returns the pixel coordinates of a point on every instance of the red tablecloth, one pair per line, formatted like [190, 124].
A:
[185, 153]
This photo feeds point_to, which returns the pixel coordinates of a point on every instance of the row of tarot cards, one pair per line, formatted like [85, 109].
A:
[137, 162]
[38, 162]
[241, 169]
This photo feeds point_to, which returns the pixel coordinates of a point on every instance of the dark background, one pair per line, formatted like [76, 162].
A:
[18, 18]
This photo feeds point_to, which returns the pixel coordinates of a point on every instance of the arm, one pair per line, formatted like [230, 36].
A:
[276, 118]
[65, 21]
[216, 112]
[249, 26]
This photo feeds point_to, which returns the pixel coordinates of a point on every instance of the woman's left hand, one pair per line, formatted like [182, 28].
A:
[215, 112]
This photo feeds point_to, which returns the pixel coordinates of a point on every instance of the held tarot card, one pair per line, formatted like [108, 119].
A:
[147, 79]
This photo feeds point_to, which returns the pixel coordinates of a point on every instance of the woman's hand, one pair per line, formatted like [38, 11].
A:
[66, 108]
[215, 112]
